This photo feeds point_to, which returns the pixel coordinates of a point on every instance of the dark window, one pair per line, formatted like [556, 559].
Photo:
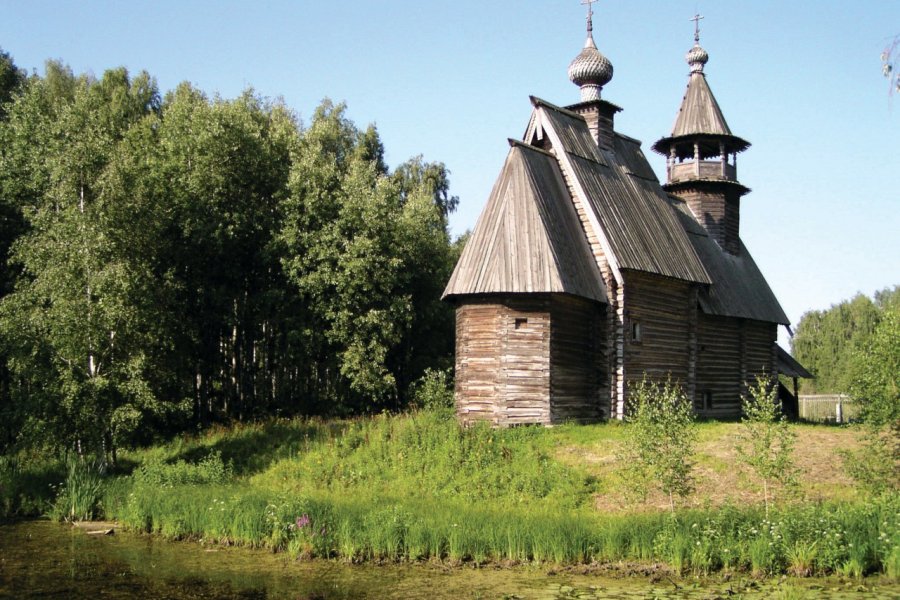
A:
[636, 332]
[521, 322]
[707, 400]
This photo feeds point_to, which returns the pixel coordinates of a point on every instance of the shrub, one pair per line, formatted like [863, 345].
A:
[659, 441]
[766, 441]
[434, 390]
[209, 469]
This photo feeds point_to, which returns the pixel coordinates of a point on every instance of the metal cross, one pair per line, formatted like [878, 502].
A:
[696, 19]
[590, 13]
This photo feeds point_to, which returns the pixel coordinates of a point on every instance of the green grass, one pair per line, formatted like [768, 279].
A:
[419, 487]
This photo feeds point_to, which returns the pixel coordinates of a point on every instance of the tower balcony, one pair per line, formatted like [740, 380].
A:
[701, 169]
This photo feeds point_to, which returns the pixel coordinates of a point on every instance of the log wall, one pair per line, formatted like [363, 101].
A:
[719, 211]
[478, 353]
[719, 374]
[503, 360]
[732, 352]
[525, 362]
[578, 380]
[665, 310]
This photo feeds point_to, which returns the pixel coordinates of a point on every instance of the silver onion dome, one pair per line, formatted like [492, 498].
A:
[590, 71]
[696, 58]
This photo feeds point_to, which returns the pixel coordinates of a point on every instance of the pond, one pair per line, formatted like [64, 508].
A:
[39, 559]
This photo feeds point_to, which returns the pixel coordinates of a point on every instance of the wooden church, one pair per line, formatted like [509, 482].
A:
[584, 274]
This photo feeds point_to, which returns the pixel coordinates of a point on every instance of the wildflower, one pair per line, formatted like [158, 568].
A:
[303, 521]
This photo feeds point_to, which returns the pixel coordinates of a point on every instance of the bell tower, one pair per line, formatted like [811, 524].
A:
[701, 153]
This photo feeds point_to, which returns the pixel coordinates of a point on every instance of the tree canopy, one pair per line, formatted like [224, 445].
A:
[828, 342]
[173, 260]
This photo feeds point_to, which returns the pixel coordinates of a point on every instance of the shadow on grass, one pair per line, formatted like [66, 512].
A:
[253, 448]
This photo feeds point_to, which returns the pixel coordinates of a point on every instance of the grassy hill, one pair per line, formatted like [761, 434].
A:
[419, 487]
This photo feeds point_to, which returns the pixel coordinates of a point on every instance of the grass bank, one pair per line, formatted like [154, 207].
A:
[419, 487]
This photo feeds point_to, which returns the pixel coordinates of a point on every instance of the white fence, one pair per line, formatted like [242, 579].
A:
[834, 408]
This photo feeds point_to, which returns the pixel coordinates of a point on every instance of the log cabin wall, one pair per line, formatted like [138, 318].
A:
[478, 353]
[758, 358]
[525, 377]
[503, 360]
[659, 328]
[732, 352]
[719, 377]
[719, 211]
[579, 388]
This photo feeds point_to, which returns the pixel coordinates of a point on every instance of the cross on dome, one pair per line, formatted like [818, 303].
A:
[590, 70]
[696, 19]
[697, 57]
[590, 22]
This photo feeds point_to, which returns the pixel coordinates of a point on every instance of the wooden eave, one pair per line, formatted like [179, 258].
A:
[789, 366]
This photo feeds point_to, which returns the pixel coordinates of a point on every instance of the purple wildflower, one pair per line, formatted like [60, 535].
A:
[303, 521]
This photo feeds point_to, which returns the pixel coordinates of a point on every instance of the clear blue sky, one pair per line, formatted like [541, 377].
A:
[450, 79]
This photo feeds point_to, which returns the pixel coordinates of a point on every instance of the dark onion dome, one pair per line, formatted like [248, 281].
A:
[590, 70]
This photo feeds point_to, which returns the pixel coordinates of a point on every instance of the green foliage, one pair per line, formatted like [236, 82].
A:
[425, 454]
[875, 382]
[78, 498]
[11, 80]
[370, 253]
[766, 440]
[418, 487]
[434, 390]
[830, 343]
[659, 440]
[876, 465]
[166, 263]
[208, 470]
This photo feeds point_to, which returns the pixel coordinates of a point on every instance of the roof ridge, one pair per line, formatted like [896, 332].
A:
[538, 102]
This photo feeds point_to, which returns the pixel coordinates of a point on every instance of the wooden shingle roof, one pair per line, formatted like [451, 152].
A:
[627, 204]
[699, 112]
[528, 237]
[788, 365]
[738, 287]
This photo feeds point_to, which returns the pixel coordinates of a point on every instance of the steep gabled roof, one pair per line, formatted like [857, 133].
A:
[528, 237]
[627, 207]
[739, 288]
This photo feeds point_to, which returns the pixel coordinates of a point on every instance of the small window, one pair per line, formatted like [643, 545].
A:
[521, 322]
[636, 332]
[707, 400]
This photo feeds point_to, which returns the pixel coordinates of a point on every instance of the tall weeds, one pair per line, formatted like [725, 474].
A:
[78, 498]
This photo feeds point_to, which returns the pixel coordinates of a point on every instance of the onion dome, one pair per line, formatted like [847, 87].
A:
[696, 58]
[590, 70]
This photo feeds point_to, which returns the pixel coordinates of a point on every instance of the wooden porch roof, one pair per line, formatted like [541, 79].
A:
[788, 365]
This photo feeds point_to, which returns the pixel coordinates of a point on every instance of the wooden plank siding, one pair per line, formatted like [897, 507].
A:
[478, 353]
